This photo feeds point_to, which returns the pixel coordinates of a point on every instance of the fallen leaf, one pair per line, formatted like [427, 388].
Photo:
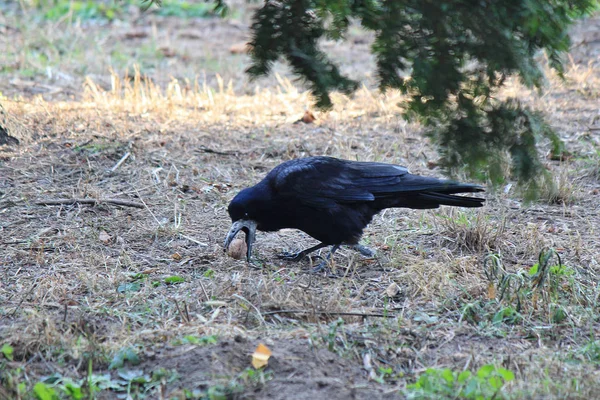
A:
[562, 156]
[191, 35]
[149, 271]
[491, 291]
[176, 256]
[392, 290]
[239, 48]
[135, 35]
[261, 355]
[167, 52]
[307, 118]
[104, 237]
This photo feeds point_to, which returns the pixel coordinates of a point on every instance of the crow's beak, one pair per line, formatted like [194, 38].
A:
[249, 228]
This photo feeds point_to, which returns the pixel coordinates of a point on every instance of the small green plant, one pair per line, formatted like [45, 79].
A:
[12, 380]
[507, 315]
[591, 352]
[184, 9]
[547, 289]
[487, 383]
[127, 354]
[42, 391]
[592, 163]
[472, 231]
[129, 287]
[171, 280]
[332, 333]
[254, 377]
[385, 373]
[246, 380]
[209, 273]
[7, 351]
[190, 339]
[130, 383]
[83, 10]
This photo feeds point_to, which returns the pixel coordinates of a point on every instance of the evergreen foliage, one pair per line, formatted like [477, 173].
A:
[449, 57]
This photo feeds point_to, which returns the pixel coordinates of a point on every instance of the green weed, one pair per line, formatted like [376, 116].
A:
[245, 381]
[202, 340]
[81, 9]
[183, 9]
[7, 351]
[487, 383]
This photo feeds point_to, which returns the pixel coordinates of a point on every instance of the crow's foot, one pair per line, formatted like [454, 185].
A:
[320, 267]
[324, 264]
[252, 263]
[323, 267]
[289, 256]
[364, 250]
[301, 254]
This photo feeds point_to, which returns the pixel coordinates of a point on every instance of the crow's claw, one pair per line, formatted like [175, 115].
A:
[289, 256]
[322, 266]
[252, 263]
[301, 254]
[364, 250]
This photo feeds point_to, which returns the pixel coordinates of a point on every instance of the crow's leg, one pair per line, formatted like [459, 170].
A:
[301, 254]
[364, 250]
[323, 264]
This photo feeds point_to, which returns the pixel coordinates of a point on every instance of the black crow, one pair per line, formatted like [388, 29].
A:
[333, 200]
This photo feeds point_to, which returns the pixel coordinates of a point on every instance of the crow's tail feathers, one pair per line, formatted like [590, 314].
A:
[444, 196]
[441, 199]
[425, 193]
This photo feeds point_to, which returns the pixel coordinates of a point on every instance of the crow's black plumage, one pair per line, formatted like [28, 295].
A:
[333, 200]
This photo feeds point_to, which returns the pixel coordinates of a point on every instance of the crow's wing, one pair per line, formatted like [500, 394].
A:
[317, 181]
[324, 181]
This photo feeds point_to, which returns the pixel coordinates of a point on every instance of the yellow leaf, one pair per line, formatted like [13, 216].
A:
[491, 291]
[261, 355]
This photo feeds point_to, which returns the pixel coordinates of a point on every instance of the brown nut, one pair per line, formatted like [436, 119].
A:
[237, 249]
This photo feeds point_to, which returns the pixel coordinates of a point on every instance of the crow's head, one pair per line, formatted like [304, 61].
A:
[242, 210]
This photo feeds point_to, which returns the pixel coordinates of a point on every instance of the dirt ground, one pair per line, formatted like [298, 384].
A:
[139, 300]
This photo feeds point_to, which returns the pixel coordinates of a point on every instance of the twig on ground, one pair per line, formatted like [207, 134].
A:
[204, 290]
[121, 161]
[193, 240]
[144, 205]
[258, 313]
[368, 366]
[23, 299]
[205, 149]
[185, 316]
[118, 202]
[354, 314]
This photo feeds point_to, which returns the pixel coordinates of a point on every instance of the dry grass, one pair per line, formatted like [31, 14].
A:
[80, 284]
